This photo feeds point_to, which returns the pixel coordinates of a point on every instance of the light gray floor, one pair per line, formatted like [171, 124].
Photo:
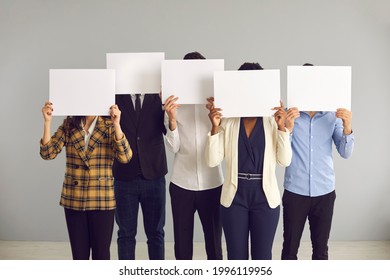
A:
[351, 250]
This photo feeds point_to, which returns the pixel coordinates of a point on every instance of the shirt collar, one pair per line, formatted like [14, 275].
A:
[92, 126]
[320, 113]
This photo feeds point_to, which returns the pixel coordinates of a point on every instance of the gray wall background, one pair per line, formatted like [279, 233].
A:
[36, 35]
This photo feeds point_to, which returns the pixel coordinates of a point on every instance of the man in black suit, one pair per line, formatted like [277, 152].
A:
[142, 180]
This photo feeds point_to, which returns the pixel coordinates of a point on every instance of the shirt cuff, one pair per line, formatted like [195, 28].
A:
[44, 146]
[120, 140]
[172, 133]
[285, 132]
[212, 136]
[348, 137]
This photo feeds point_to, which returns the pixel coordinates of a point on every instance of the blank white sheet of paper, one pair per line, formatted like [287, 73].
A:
[81, 92]
[136, 72]
[247, 93]
[319, 88]
[190, 80]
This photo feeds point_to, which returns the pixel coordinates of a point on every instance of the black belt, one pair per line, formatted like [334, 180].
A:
[249, 176]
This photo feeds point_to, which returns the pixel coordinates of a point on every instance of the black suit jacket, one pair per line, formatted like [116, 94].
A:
[145, 138]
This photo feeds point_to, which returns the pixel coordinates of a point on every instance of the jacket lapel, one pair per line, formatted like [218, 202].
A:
[98, 133]
[267, 125]
[246, 140]
[234, 136]
[129, 107]
[77, 138]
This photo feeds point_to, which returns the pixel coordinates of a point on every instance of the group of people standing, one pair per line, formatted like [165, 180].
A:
[116, 164]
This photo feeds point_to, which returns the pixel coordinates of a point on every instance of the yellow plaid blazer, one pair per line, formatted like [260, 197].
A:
[88, 182]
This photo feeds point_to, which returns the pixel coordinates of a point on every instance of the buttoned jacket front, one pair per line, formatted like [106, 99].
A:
[88, 181]
[146, 138]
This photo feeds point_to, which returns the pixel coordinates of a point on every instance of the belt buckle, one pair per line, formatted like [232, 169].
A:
[248, 176]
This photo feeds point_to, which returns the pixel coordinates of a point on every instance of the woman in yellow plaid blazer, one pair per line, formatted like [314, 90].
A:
[91, 144]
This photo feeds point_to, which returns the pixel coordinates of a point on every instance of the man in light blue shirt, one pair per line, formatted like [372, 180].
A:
[309, 181]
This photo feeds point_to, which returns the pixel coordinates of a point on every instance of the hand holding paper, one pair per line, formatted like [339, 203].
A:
[292, 114]
[115, 114]
[346, 116]
[170, 107]
[280, 116]
[47, 111]
[214, 115]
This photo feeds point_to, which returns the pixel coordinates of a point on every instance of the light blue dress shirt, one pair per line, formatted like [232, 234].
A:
[311, 171]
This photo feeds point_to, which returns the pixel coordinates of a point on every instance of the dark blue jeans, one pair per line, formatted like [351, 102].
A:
[150, 194]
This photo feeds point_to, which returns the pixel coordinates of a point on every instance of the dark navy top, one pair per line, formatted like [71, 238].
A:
[251, 151]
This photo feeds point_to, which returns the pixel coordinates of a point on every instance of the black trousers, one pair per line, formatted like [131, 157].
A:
[319, 211]
[184, 205]
[90, 230]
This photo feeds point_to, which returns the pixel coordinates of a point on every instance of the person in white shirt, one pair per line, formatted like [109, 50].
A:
[194, 186]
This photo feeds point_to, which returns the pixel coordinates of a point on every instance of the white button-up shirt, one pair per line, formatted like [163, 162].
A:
[87, 134]
[141, 98]
[188, 141]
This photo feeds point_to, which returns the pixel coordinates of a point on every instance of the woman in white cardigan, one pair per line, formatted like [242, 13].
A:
[250, 195]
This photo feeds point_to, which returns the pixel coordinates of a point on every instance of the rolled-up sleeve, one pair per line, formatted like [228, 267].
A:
[51, 149]
[284, 152]
[122, 150]
[172, 137]
[344, 143]
[214, 149]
